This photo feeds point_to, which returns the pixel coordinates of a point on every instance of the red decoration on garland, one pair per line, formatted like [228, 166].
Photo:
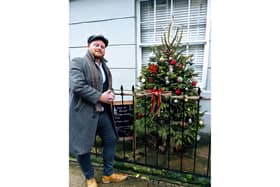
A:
[178, 92]
[150, 79]
[172, 62]
[153, 68]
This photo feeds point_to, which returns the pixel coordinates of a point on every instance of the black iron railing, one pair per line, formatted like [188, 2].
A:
[137, 146]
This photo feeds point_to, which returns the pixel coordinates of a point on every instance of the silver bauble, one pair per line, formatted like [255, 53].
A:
[179, 79]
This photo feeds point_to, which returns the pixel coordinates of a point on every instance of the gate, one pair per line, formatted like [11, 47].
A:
[141, 146]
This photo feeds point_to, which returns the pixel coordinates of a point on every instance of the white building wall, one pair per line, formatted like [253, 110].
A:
[96, 10]
[116, 21]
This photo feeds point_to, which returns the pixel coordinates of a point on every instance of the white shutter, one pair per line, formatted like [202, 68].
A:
[198, 12]
[147, 21]
[146, 53]
[163, 18]
[198, 53]
[180, 16]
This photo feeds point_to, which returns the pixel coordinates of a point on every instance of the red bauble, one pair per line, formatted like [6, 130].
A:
[172, 62]
[194, 82]
[153, 68]
[178, 92]
[150, 79]
[180, 66]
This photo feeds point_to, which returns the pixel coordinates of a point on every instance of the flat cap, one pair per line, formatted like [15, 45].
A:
[98, 37]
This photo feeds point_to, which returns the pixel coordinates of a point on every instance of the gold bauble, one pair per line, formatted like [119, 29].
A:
[162, 59]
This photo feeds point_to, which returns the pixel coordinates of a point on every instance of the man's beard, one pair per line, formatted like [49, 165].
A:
[98, 55]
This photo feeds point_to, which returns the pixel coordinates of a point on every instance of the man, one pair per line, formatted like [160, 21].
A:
[90, 113]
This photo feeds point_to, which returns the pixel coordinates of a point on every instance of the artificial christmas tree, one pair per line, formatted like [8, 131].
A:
[168, 99]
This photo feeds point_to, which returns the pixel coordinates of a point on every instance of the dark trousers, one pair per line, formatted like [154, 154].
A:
[106, 132]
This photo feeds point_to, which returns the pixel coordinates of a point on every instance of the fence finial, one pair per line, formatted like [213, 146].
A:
[121, 90]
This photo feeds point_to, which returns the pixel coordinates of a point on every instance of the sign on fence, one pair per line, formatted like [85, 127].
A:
[124, 117]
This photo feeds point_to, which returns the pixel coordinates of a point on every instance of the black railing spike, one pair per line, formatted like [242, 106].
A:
[121, 89]
[132, 88]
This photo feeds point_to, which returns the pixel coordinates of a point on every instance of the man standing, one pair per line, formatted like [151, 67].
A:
[90, 113]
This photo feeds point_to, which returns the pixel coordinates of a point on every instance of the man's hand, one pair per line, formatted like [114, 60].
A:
[107, 97]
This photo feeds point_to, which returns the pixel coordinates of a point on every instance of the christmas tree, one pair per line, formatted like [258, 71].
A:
[170, 107]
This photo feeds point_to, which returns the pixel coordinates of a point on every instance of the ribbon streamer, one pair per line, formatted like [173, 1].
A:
[156, 95]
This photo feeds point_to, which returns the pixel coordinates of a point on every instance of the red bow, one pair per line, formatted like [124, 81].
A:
[156, 93]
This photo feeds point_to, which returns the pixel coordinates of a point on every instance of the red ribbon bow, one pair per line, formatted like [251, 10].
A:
[156, 93]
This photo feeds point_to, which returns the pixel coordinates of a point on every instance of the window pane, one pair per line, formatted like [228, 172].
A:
[163, 18]
[146, 53]
[197, 19]
[191, 18]
[147, 21]
[198, 55]
[180, 16]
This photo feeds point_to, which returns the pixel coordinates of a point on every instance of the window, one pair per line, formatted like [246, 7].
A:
[188, 15]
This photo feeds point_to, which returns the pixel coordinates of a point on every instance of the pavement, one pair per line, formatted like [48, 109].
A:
[77, 179]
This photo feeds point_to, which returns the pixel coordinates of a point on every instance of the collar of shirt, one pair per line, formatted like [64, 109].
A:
[99, 65]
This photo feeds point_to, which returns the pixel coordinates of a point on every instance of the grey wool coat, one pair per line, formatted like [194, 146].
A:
[86, 85]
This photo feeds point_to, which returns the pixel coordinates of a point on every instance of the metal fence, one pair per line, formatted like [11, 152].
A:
[137, 146]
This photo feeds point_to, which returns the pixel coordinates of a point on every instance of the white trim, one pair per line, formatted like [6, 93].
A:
[206, 49]
[205, 92]
[138, 48]
[198, 42]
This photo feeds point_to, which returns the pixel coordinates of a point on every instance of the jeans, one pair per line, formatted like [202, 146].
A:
[106, 132]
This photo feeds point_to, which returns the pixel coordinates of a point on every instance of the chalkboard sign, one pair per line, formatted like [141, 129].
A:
[124, 118]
